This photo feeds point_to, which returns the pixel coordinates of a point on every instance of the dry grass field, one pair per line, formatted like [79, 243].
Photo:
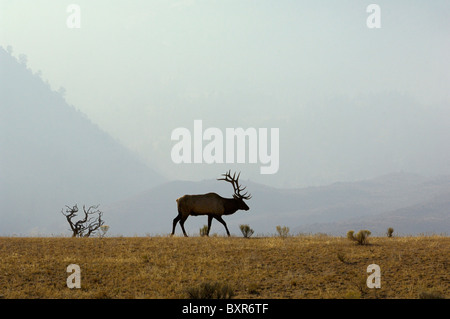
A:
[316, 266]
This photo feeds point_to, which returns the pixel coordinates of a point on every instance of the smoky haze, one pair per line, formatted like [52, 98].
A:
[351, 103]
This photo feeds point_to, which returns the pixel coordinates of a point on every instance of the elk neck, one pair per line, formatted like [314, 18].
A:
[231, 205]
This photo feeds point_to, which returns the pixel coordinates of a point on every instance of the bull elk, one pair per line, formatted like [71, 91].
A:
[211, 204]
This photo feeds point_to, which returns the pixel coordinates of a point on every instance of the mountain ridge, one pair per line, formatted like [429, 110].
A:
[52, 155]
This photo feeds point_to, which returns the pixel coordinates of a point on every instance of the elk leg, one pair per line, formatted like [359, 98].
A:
[175, 221]
[219, 218]
[209, 224]
[183, 219]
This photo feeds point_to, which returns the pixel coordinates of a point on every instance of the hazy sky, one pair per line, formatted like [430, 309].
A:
[350, 102]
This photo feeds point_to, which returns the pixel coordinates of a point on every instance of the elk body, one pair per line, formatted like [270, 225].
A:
[212, 205]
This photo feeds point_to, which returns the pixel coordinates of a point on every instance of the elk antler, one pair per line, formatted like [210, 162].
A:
[235, 183]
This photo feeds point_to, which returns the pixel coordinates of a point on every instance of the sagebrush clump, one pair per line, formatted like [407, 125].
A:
[283, 232]
[246, 231]
[215, 290]
[204, 231]
[362, 237]
[390, 232]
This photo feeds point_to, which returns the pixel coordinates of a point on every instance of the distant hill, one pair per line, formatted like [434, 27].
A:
[51, 155]
[427, 217]
[409, 203]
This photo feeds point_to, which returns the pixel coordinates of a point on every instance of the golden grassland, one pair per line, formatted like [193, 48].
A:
[316, 266]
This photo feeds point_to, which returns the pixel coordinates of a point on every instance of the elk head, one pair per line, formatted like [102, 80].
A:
[239, 198]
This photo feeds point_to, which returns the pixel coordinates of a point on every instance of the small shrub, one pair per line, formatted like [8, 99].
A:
[362, 237]
[283, 232]
[253, 289]
[204, 230]
[246, 230]
[389, 232]
[214, 290]
[350, 235]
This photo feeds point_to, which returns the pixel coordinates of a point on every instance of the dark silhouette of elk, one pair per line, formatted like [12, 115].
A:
[211, 204]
